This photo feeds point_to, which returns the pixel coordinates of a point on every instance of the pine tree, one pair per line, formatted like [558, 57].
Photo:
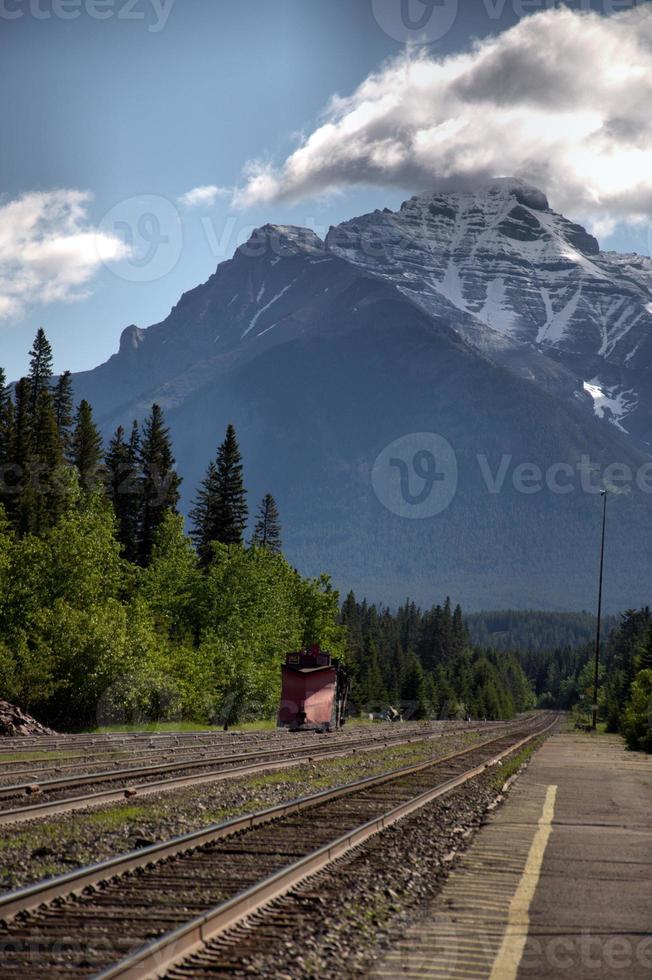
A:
[124, 488]
[40, 369]
[20, 501]
[86, 447]
[6, 438]
[203, 515]
[643, 652]
[63, 409]
[460, 637]
[5, 402]
[160, 482]
[46, 465]
[267, 532]
[220, 509]
[373, 687]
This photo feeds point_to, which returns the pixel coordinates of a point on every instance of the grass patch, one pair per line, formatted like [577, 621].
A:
[262, 725]
[44, 756]
[44, 834]
[172, 727]
[155, 726]
[111, 819]
[514, 763]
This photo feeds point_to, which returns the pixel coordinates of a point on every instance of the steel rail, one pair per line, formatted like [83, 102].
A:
[38, 768]
[51, 762]
[112, 739]
[74, 882]
[63, 741]
[113, 775]
[171, 949]
[139, 754]
[36, 811]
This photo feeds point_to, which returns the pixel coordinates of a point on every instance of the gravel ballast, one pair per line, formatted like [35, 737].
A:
[340, 923]
[37, 850]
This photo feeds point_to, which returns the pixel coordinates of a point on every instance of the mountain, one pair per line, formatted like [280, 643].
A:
[482, 317]
[517, 278]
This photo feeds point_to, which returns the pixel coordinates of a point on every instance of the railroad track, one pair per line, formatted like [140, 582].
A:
[88, 760]
[137, 915]
[18, 798]
[57, 755]
[200, 756]
[55, 760]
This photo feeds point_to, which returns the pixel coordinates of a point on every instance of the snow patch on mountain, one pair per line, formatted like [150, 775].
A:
[507, 270]
[264, 308]
[556, 324]
[610, 403]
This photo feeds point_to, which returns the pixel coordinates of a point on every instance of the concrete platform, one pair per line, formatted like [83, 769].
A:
[558, 884]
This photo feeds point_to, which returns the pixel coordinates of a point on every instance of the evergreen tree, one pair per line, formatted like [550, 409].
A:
[63, 409]
[203, 515]
[373, 688]
[644, 655]
[46, 465]
[86, 447]
[220, 509]
[124, 489]
[460, 638]
[5, 418]
[412, 687]
[6, 437]
[160, 481]
[267, 532]
[40, 369]
[20, 501]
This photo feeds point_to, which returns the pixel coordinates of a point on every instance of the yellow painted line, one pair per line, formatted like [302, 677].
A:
[513, 945]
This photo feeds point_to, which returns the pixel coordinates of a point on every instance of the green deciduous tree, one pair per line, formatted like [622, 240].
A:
[637, 716]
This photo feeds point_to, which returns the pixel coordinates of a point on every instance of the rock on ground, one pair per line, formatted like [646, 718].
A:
[14, 722]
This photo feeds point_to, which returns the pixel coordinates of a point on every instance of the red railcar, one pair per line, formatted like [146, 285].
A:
[314, 691]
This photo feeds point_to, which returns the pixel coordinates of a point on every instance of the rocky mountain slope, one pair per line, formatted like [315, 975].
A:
[483, 317]
[520, 278]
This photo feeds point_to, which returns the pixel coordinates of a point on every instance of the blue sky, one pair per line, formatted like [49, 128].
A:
[161, 97]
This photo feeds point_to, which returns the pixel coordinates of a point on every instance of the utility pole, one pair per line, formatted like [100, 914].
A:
[594, 715]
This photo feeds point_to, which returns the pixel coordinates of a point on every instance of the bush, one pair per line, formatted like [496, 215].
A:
[637, 726]
[140, 698]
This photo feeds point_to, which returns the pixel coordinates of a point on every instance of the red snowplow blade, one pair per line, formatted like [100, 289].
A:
[309, 693]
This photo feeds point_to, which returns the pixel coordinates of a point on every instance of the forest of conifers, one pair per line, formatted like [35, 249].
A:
[111, 612]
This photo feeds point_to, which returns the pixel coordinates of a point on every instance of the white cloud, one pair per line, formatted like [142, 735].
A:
[563, 99]
[48, 250]
[203, 196]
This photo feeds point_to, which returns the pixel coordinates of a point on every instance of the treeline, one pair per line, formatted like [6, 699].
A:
[557, 676]
[108, 611]
[423, 663]
[563, 677]
[534, 630]
[626, 702]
